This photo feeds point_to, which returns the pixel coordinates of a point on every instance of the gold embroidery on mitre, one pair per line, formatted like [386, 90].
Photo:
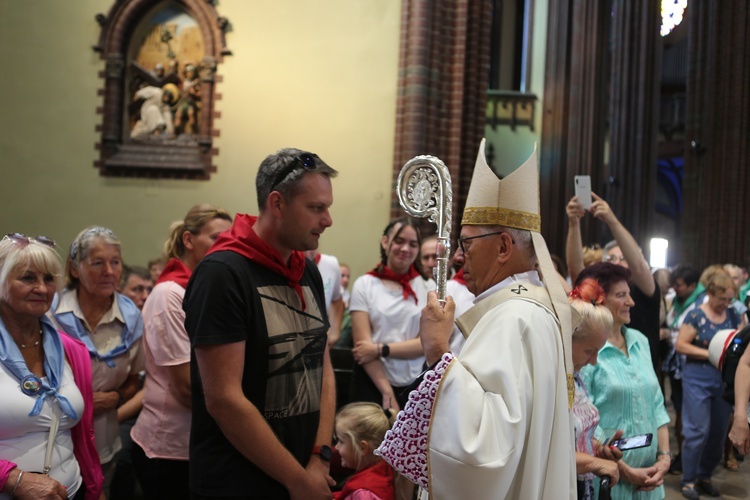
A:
[484, 216]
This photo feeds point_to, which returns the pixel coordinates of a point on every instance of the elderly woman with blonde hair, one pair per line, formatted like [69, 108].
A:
[592, 458]
[46, 431]
[110, 325]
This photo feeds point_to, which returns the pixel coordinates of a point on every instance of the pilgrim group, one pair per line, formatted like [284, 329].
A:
[209, 373]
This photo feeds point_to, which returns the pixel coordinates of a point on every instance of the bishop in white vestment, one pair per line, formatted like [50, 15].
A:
[494, 422]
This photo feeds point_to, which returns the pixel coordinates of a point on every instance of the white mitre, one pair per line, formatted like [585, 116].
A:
[514, 202]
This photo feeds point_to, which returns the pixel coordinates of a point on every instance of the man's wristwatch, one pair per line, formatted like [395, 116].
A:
[325, 452]
[385, 351]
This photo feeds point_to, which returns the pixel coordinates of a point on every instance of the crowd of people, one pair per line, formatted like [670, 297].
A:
[207, 373]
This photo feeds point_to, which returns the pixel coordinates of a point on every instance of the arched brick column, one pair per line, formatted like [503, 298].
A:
[442, 88]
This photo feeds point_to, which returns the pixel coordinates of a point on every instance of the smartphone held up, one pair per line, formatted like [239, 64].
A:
[583, 190]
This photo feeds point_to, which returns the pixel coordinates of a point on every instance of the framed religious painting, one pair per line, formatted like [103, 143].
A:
[160, 76]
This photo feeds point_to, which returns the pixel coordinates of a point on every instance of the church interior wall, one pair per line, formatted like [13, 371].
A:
[299, 75]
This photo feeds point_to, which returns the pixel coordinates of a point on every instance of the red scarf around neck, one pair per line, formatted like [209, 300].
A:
[176, 271]
[385, 273]
[459, 276]
[242, 239]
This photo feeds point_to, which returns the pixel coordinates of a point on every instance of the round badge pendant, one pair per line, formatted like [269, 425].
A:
[30, 385]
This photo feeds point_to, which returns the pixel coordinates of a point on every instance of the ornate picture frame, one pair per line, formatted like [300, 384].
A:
[159, 88]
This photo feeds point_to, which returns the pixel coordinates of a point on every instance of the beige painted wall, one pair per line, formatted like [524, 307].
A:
[319, 76]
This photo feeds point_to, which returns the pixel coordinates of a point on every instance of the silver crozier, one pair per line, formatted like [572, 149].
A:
[424, 190]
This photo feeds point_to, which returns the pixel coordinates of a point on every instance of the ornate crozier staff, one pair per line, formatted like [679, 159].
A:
[425, 190]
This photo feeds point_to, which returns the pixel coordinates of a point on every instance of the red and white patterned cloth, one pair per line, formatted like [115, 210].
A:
[405, 445]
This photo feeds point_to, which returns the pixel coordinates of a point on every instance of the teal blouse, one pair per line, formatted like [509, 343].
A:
[627, 393]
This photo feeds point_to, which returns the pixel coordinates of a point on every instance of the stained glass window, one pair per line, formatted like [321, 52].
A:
[672, 12]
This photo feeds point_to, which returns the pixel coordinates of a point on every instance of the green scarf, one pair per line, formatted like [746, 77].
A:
[744, 292]
[679, 307]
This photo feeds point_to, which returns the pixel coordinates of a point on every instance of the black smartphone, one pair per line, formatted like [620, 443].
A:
[632, 442]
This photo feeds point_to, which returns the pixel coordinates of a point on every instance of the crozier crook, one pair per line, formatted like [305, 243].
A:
[424, 190]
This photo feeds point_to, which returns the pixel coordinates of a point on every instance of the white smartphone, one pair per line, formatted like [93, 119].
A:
[583, 190]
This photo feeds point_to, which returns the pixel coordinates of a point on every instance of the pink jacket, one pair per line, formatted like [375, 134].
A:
[83, 433]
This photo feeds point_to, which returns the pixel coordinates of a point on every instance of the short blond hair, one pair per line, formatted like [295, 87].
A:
[720, 283]
[709, 273]
[592, 255]
[15, 259]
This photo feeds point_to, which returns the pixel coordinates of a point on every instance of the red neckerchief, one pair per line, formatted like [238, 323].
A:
[401, 279]
[459, 276]
[317, 258]
[377, 479]
[242, 239]
[176, 271]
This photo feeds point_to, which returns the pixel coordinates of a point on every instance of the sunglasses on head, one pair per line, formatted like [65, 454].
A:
[94, 230]
[306, 160]
[23, 240]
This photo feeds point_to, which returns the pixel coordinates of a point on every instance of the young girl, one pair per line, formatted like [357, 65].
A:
[360, 428]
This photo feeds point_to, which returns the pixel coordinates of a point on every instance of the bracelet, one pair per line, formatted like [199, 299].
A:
[661, 453]
[15, 486]
[379, 348]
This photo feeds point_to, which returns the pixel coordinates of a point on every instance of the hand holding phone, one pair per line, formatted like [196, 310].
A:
[583, 190]
[632, 442]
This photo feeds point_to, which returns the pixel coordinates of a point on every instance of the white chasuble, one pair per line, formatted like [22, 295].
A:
[499, 425]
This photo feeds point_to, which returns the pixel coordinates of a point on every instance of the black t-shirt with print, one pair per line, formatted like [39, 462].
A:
[231, 299]
[644, 317]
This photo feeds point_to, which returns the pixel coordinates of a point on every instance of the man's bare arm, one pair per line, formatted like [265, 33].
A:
[221, 367]
[327, 414]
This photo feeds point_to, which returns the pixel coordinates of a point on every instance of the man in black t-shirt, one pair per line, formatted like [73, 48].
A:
[263, 391]
[623, 251]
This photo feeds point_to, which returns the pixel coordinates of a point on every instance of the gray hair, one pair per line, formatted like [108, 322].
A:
[609, 246]
[521, 239]
[81, 246]
[16, 259]
[289, 186]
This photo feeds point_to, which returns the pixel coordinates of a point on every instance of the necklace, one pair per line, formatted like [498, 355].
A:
[23, 346]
